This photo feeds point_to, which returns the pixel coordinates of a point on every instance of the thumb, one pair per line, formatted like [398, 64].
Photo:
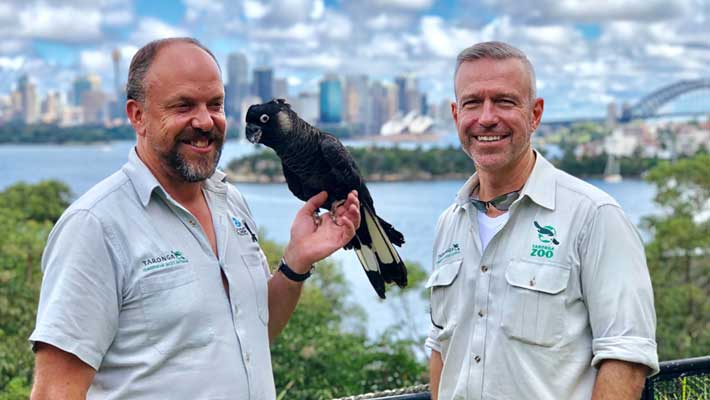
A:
[314, 203]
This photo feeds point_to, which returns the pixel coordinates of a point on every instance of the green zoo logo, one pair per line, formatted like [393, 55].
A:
[547, 235]
[542, 251]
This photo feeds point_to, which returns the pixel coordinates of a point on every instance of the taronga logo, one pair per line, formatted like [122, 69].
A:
[170, 259]
[453, 250]
[240, 226]
[546, 234]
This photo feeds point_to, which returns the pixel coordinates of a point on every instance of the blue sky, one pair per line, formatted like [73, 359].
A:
[585, 56]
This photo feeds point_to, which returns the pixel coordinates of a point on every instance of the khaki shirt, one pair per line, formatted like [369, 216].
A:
[131, 287]
[561, 287]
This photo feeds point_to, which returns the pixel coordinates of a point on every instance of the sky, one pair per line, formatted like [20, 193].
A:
[586, 54]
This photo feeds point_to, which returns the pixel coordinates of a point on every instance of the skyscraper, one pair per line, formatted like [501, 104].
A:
[28, 100]
[356, 99]
[237, 84]
[401, 83]
[264, 83]
[331, 100]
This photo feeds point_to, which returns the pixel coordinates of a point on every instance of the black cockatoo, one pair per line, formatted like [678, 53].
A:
[314, 161]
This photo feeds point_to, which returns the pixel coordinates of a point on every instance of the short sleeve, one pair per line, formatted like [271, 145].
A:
[80, 295]
[617, 290]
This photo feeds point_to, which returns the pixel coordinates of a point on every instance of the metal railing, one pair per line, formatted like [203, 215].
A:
[687, 379]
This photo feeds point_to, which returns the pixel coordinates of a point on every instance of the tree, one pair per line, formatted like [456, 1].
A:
[26, 217]
[679, 257]
[324, 351]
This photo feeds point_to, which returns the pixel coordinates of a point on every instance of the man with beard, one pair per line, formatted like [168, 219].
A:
[540, 288]
[154, 283]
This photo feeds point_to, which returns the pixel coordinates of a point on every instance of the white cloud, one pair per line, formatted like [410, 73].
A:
[152, 29]
[60, 23]
[582, 11]
[254, 9]
[95, 60]
[12, 46]
[12, 63]
[402, 5]
[194, 9]
[118, 17]
[443, 40]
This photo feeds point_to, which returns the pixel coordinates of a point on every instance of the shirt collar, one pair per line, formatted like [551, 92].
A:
[144, 182]
[540, 186]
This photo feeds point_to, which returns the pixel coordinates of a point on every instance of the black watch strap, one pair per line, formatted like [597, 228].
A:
[291, 274]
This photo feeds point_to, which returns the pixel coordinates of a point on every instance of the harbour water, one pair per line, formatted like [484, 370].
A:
[412, 207]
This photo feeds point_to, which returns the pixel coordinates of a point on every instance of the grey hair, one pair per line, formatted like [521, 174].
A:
[496, 51]
[142, 60]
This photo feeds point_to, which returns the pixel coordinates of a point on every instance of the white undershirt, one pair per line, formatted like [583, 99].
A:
[488, 227]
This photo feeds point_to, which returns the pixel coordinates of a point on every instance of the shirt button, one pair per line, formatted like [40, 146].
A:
[192, 222]
[246, 357]
[480, 313]
[484, 268]
[477, 359]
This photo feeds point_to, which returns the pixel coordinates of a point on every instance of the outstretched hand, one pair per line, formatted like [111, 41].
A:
[310, 241]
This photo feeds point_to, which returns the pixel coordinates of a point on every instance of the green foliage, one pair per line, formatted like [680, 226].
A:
[679, 257]
[46, 133]
[375, 163]
[27, 214]
[324, 352]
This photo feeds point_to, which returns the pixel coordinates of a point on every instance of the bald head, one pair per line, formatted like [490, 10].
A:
[144, 58]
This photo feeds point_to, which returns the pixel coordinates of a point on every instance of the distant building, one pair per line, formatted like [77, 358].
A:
[378, 113]
[94, 105]
[263, 83]
[307, 107]
[237, 88]
[331, 100]
[412, 123]
[82, 85]
[280, 88]
[401, 83]
[28, 100]
[51, 110]
[356, 99]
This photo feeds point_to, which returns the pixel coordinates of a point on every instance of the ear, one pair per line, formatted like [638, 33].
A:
[455, 112]
[538, 108]
[136, 114]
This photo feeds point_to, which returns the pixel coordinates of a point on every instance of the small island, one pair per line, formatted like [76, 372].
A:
[377, 164]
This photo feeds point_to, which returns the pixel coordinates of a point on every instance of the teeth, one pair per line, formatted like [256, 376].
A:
[488, 138]
[200, 143]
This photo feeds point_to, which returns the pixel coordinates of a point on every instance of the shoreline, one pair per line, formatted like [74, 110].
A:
[394, 178]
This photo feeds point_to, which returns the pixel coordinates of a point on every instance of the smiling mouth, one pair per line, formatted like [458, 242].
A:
[489, 139]
[200, 143]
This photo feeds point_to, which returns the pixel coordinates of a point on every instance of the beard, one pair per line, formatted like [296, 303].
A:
[194, 170]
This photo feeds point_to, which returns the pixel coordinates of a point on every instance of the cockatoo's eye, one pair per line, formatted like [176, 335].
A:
[264, 118]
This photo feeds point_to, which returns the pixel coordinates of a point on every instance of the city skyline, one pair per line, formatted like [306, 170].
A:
[584, 58]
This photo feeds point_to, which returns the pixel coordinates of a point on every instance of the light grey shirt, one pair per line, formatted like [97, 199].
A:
[132, 287]
[561, 287]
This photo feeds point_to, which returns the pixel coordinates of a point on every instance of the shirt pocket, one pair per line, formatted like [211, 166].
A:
[443, 302]
[534, 309]
[255, 263]
[173, 308]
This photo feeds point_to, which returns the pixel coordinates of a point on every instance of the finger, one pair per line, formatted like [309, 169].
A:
[348, 229]
[314, 203]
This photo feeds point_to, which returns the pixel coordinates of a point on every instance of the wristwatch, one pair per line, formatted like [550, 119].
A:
[291, 274]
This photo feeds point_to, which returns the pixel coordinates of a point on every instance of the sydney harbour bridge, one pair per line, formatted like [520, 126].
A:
[652, 105]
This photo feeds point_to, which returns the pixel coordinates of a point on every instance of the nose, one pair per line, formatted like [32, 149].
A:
[488, 117]
[202, 119]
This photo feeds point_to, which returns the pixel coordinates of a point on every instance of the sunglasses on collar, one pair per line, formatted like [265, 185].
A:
[500, 203]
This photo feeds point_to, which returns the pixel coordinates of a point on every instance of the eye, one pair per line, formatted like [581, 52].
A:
[264, 118]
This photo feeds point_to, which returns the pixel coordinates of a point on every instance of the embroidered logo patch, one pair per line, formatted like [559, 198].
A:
[548, 236]
[240, 226]
[171, 259]
[451, 251]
